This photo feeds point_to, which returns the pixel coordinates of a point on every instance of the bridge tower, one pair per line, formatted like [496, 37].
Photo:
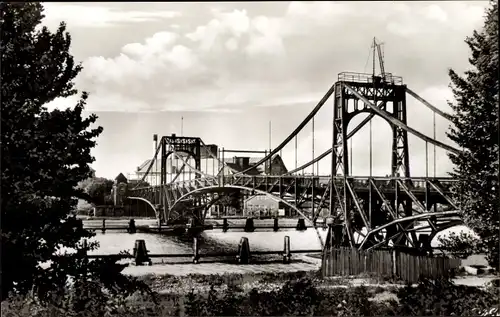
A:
[387, 93]
[180, 145]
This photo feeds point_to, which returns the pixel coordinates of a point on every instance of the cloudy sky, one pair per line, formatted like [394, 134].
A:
[230, 68]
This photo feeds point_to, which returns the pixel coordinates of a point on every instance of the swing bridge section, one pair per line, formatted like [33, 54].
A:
[365, 212]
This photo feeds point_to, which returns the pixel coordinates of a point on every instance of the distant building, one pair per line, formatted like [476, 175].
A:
[209, 166]
[238, 164]
[119, 189]
[121, 179]
[261, 206]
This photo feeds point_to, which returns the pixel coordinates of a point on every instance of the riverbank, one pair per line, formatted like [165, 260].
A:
[268, 265]
[275, 293]
[300, 266]
[306, 293]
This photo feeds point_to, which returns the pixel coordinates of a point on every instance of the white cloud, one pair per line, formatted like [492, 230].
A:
[435, 12]
[98, 16]
[238, 60]
[232, 44]
[266, 37]
[245, 60]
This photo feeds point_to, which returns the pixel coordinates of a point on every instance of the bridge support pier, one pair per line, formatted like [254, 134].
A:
[131, 226]
[249, 225]
[301, 225]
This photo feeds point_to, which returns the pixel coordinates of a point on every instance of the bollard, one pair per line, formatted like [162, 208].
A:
[85, 247]
[141, 253]
[249, 226]
[196, 248]
[225, 225]
[104, 226]
[301, 225]
[243, 256]
[286, 250]
[276, 226]
[131, 226]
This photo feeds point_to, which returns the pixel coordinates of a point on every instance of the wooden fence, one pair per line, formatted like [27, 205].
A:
[407, 267]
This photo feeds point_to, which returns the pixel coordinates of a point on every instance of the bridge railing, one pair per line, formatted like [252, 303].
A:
[287, 180]
[414, 183]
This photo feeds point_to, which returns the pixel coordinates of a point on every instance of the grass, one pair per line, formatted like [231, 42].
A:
[170, 284]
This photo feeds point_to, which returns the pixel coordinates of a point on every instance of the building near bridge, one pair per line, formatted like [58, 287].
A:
[263, 206]
[238, 164]
[209, 166]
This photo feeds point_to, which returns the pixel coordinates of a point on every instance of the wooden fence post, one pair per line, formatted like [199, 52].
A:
[394, 259]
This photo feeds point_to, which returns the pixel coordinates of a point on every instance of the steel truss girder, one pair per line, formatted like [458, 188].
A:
[416, 194]
[421, 189]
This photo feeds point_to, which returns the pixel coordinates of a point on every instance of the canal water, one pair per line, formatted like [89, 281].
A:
[210, 241]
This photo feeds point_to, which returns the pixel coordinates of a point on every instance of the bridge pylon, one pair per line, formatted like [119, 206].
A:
[387, 93]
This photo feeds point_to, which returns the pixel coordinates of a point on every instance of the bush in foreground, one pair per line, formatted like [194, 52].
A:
[298, 297]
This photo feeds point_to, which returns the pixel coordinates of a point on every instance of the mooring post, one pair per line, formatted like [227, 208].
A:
[276, 224]
[249, 225]
[131, 226]
[225, 225]
[85, 247]
[196, 248]
[286, 250]
[301, 225]
[104, 226]
[141, 253]
[243, 256]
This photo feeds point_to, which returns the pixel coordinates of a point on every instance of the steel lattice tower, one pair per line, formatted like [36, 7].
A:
[387, 94]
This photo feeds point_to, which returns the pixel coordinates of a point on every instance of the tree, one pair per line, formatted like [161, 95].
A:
[44, 154]
[461, 245]
[475, 130]
[98, 188]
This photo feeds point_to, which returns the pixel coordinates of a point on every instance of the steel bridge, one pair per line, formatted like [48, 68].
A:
[365, 212]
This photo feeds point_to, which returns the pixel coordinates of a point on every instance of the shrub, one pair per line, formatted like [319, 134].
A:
[297, 297]
[82, 297]
[443, 297]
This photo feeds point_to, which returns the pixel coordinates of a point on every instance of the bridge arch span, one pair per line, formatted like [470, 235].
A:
[242, 188]
[147, 202]
[423, 216]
